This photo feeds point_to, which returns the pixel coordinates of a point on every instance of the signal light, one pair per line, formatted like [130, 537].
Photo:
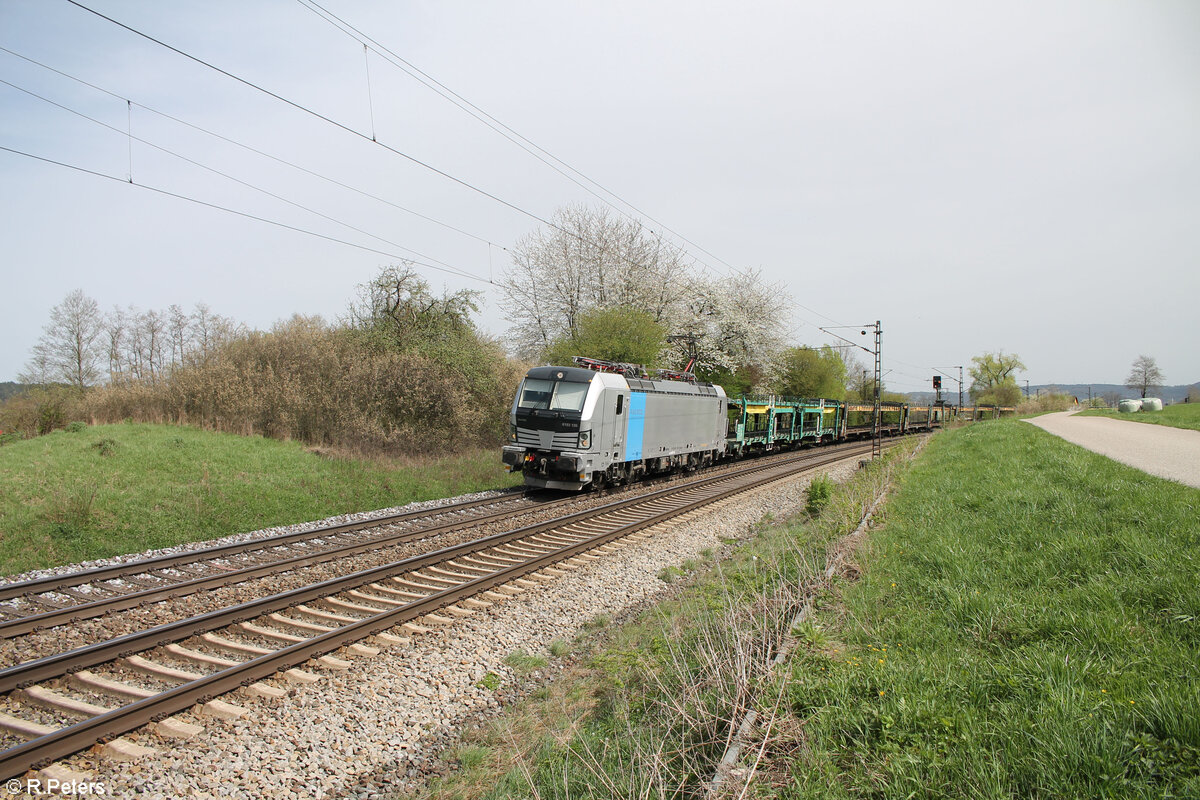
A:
[937, 381]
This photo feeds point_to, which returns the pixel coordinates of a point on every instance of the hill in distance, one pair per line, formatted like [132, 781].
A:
[1168, 394]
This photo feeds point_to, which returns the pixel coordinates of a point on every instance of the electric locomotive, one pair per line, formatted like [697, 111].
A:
[604, 422]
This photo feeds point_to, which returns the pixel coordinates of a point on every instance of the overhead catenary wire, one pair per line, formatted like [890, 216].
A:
[448, 267]
[234, 211]
[318, 115]
[335, 123]
[256, 151]
[351, 130]
[540, 153]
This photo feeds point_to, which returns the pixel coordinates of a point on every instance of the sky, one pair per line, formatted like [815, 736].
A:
[1016, 176]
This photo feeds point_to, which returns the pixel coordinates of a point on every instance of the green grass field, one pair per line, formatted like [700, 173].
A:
[1180, 415]
[109, 489]
[1026, 624]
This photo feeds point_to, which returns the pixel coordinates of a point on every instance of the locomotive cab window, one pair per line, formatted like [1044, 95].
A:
[553, 395]
[620, 404]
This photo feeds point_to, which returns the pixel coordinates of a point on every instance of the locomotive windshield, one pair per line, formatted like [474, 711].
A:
[553, 395]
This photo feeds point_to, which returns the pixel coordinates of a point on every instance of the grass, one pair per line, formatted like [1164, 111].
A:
[522, 661]
[1180, 415]
[1025, 623]
[644, 709]
[110, 489]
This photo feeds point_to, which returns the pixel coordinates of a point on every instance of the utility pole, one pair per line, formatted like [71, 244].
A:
[1026, 388]
[960, 387]
[876, 426]
[877, 433]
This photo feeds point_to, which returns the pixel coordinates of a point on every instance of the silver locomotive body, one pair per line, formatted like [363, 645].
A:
[571, 427]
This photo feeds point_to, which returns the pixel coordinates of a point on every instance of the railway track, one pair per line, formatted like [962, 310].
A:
[60, 599]
[66, 702]
[55, 600]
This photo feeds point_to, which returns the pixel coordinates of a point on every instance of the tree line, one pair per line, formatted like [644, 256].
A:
[403, 371]
[407, 370]
[81, 346]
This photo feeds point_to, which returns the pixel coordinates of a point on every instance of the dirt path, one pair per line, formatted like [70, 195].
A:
[1171, 453]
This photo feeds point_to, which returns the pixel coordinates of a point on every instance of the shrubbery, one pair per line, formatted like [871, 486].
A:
[327, 385]
[407, 373]
[1045, 403]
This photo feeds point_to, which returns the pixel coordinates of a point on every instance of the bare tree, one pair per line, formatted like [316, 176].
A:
[178, 333]
[68, 349]
[592, 259]
[204, 324]
[152, 327]
[39, 369]
[116, 329]
[1144, 375]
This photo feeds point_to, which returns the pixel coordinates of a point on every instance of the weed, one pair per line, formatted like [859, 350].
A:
[490, 681]
[820, 490]
[522, 661]
[472, 755]
[106, 446]
[669, 574]
[70, 513]
[596, 622]
[812, 635]
[76, 427]
[559, 648]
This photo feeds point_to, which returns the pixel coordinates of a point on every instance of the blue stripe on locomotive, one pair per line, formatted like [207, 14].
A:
[637, 422]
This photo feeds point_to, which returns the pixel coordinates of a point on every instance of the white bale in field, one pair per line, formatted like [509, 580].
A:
[1152, 404]
[1129, 406]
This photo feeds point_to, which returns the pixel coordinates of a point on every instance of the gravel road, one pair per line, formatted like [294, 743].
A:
[1172, 453]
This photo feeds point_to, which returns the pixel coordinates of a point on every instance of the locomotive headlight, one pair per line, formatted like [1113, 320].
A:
[585, 439]
[512, 433]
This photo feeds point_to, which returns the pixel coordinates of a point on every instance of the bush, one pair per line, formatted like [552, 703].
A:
[819, 492]
[77, 427]
[334, 386]
[40, 410]
[1046, 403]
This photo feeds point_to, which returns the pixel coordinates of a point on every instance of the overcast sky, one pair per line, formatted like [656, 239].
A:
[1021, 176]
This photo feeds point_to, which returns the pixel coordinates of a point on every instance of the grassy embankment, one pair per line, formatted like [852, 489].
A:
[76, 495]
[1180, 415]
[1026, 624]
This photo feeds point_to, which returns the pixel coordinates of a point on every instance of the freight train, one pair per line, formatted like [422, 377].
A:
[601, 423]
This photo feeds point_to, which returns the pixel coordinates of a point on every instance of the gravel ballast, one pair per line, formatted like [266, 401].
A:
[379, 725]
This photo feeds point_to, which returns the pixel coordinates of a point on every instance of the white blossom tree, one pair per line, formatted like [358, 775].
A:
[594, 259]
